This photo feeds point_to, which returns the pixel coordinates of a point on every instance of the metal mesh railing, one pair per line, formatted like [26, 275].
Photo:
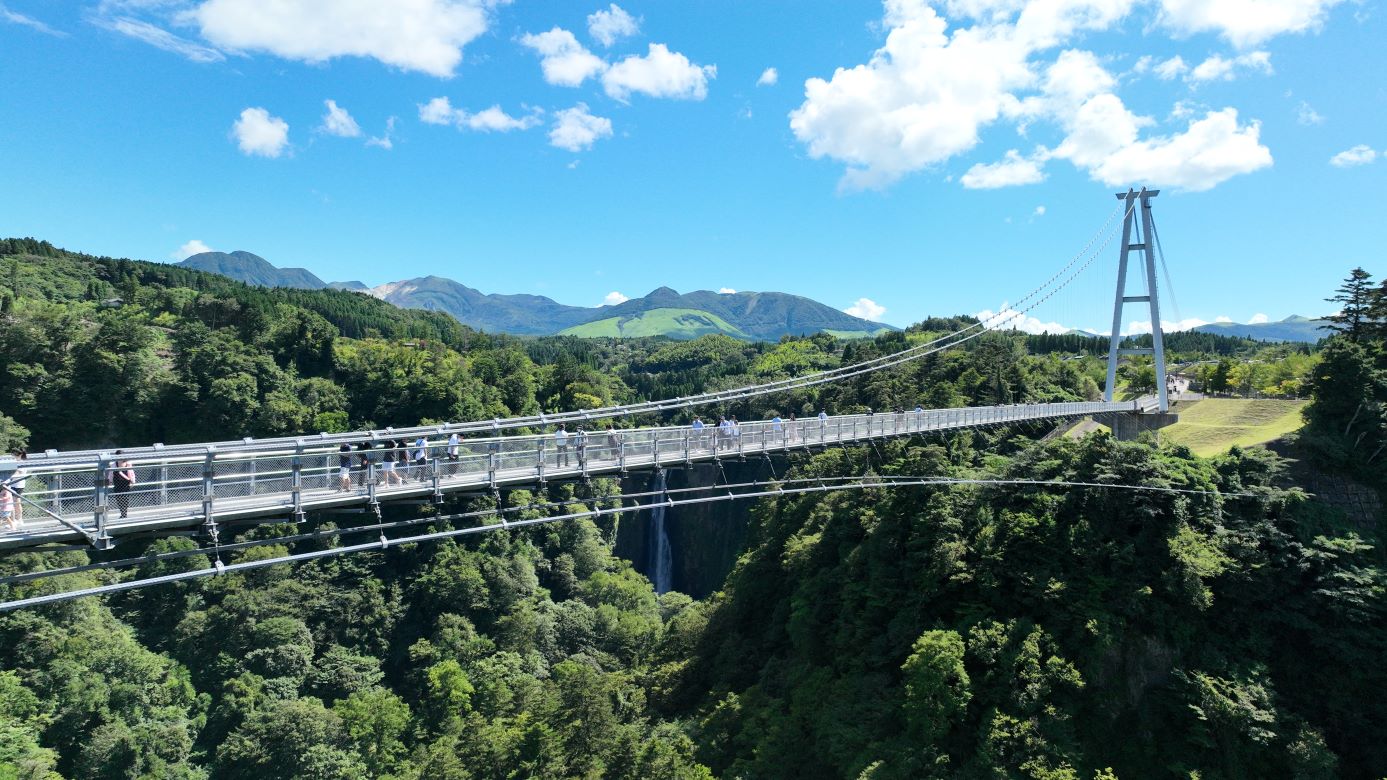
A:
[99, 495]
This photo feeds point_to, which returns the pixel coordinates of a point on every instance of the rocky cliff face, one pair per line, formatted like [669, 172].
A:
[705, 538]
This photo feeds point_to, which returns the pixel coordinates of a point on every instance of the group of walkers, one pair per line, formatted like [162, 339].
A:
[397, 460]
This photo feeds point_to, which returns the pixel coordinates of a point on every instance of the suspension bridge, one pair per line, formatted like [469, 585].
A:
[94, 498]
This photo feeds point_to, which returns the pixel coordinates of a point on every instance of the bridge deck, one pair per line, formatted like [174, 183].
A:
[69, 498]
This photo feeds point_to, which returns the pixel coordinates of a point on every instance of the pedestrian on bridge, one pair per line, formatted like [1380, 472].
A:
[421, 457]
[344, 467]
[613, 441]
[580, 443]
[122, 480]
[396, 462]
[16, 482]
[697, 433]
[7, 504]
[363, 462]
[561, 446]
[453, 452]
[794, 427]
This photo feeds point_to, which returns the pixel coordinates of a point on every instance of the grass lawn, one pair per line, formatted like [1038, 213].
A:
[1211, 426]
[676, 323]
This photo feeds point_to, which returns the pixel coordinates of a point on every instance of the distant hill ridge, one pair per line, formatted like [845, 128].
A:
[253, 269]
[743, 315]
[1293, 328]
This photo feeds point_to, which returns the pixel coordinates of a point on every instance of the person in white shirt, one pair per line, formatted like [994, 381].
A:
[453, 452]
[421, 456]
[561, 445]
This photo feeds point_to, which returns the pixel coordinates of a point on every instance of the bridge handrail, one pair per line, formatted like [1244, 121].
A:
[82, 492]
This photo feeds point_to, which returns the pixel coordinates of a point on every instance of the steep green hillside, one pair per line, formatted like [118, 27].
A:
[675, 323]
[1211, 426]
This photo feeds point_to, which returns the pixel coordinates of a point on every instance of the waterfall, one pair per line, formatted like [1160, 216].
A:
[661, 555]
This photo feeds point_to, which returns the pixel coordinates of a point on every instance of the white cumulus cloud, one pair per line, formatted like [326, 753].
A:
[867, 309]
[564, 61]
[726, 291]
[1008, 319]
[1171, 68]
[193, 247]
[1258, 319]
[414, 35]
[1307, 115]
[440, 111]
[1138, 327]
[385, 140]
[1009, 172]
[659, 73]
[576, 128]
[1362, 154]
[611, 25]
[929, 91]
[1220, 68]
[258, 133]
[1039, 211]
[614, 297]
[1212, 150]
[338, 122]
[769, 78]
[1245, 22]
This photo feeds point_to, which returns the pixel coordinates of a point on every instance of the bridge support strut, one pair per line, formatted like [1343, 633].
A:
[1137, 205]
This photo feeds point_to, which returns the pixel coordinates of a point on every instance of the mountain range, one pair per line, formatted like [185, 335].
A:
[664, 312]
[1293, 328]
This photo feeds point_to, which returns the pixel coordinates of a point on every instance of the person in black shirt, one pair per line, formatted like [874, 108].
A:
[344, 467]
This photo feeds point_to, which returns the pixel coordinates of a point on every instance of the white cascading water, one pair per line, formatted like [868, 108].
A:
[661, 553]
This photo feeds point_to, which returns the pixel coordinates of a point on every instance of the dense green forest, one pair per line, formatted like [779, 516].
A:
[918, 632]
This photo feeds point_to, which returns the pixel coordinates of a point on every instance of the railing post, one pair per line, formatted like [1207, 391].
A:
[296, 481]
[687, 459]
[539, 454]
[437, 486]
[621, 453]
[99, 507]
[209, 518]
[493, 458]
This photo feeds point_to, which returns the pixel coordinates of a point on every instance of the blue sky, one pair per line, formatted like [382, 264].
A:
[929, 158]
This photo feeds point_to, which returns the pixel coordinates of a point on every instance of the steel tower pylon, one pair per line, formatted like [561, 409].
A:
[1145, 245]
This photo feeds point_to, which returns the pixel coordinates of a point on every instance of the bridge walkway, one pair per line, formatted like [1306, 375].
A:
[70, 498]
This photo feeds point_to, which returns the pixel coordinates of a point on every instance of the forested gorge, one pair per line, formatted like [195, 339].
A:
[968, 631]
